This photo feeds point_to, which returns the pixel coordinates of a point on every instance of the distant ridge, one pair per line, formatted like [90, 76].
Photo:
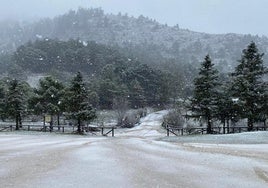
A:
[144, 38]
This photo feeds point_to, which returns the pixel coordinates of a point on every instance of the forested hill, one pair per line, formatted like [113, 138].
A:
[144, 38]
[44, 56]
[109, 73]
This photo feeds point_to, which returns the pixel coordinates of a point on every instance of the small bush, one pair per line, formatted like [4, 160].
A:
[174, 118]
[142, 112]
[130, 119]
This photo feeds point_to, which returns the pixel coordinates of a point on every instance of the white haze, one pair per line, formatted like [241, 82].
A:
[211, 16]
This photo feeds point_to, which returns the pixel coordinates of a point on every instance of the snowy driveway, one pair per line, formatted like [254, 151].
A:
[134, 158]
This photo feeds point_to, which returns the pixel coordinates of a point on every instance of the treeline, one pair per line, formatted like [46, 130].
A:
[44, 56]
[78, 99]
[109, 77]
[62, 59]
[242, 94]
[18, 100]
[110, 74]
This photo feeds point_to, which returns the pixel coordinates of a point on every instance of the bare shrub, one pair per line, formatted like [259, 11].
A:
[120, 106]
[174, 118]
[131, 119]
[142, 112]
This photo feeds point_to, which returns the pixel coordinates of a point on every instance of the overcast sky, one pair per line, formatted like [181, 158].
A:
[211, 16]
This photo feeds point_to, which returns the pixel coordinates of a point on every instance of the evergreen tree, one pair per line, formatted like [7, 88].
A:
[149, 79]
[2, 102]
[94, 99]
[110, 85]
[77, 102]
[226, 107]
[204, 100]
[248, 86]
[16, 102]
[136, 95]
[16, 72]
[107, 92]
[264, 107]
[48, 98]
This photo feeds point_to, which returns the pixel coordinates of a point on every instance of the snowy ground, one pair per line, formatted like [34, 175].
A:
[139, 157]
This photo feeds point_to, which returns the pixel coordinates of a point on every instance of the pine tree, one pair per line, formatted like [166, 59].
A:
[226, 107]
[264, 107]
[77, 102]
[2, 102]
[16, 102]
[107, 91]
[248, 86]
[48, 97]
[136, 95]
[204, 101]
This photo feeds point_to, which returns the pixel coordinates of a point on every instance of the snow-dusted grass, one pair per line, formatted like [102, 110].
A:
[260, 137]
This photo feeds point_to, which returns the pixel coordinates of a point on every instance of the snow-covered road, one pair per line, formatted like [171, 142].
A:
[134, 158]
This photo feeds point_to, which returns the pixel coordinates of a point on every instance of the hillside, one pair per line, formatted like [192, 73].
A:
[143, 38]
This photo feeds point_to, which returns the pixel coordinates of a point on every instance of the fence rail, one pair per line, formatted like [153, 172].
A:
[6, 128]
[178, 131]
[103, 131]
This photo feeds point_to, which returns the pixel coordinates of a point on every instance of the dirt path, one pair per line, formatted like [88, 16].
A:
[132, 159]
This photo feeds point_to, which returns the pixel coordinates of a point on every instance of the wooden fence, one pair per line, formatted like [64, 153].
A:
[103, 131]
[177, 131]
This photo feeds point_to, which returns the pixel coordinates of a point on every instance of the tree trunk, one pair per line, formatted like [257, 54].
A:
[17, 122]
[58, 119]
[250, 124]
[209, 131]
[51, 124]
[79, 126]
[228, 126]
[20, 121]
[209, 127]
[224, 125]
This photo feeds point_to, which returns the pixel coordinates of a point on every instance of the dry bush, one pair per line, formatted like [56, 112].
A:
[142, 112]
[120, 106]
[174, 118]
[131, 118]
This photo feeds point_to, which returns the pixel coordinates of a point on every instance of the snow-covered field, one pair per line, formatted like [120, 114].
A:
[139, 157]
